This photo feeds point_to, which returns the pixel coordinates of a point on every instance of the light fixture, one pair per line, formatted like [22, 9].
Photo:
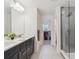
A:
[15, 5]
[19, 7]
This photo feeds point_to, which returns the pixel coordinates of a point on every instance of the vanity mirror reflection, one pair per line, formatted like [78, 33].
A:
[12, 10]
[7, 17]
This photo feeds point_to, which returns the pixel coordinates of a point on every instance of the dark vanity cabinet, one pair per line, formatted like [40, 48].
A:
[30, 47]
[12, 53]
[23, 50]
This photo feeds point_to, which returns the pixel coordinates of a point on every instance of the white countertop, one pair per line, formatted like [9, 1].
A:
[11, 43]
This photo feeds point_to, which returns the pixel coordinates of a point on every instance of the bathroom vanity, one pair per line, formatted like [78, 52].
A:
[19, 49]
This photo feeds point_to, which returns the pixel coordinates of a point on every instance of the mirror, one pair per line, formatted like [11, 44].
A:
[7, 17]
[9, 8]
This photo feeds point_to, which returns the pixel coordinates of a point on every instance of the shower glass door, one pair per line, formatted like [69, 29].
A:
[68, 31]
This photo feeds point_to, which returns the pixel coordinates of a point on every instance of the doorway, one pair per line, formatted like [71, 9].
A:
[47, 32]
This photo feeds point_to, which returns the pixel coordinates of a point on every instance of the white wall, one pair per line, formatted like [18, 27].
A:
[40, 28]
[31, 21]
[58, 29]
[17, 22]
[47, 18]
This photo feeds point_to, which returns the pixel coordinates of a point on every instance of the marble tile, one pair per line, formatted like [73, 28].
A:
[47, 52]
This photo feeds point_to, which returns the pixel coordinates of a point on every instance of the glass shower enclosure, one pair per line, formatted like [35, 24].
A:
[68, 32]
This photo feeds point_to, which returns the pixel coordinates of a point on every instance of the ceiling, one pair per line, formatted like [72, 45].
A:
[45, 6]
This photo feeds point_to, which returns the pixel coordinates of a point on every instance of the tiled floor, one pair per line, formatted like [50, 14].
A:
[47, 52]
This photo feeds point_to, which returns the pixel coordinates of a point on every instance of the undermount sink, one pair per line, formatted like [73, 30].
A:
[19, 39]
